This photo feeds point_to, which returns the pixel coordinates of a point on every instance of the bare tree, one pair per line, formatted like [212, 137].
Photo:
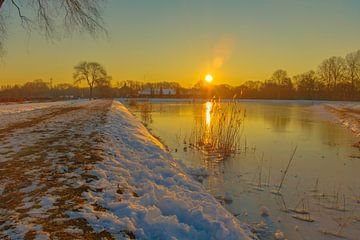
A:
[307, 84]
[91, 72]
[281, 78]
[332, 71]
[82, 15]
[338, 69]
[353, 67]
[324, 72]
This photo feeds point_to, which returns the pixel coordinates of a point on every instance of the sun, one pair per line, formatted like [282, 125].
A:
[209, 78]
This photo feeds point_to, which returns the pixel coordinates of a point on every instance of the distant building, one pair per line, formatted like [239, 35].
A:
[158, 92]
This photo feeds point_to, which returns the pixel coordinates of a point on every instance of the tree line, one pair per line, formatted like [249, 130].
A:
[336, 78]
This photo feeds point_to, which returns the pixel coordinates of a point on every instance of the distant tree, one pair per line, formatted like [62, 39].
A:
[224, 91]
[353, 68]
[254, 85]
[134, 85]
[44, 15]
[280, 83]
[36, 89]
[281, 78]
[249, 89]
[103, 88]
[324, 72]
[307, 84]
[338, 69]
[332, 71]
[93, 73]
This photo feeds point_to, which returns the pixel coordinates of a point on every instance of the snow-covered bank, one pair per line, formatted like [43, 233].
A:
[91, 170]
[347, 114]
[147, 193]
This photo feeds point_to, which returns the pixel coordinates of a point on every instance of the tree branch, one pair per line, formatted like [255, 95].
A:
[24, 19]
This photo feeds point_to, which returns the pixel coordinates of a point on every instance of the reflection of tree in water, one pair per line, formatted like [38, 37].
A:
[280, 123]
[145, 113]
[306, 126]
[331, 134]
[279, 118]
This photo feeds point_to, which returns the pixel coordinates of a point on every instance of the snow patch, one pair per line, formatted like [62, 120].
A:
[143, 191]
[25, 107]
[347, 114]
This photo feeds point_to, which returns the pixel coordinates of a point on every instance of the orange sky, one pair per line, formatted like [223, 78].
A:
[182, 40]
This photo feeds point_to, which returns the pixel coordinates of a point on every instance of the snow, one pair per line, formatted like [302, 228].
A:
[264, 211]
[9, 113]
[345, 113]
[128, 184]
[145, 191]
[279, 235]
[30, 188]
[25, 107]
[197, 173]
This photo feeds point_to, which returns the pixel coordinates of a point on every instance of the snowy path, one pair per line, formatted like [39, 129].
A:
[91, 170]
[42, 173]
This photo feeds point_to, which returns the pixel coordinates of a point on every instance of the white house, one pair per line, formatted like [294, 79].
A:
[157, 91]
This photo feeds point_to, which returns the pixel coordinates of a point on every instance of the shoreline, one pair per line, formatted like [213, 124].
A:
[345, 114]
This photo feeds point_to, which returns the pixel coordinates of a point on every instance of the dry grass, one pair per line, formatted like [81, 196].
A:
[219, 131]
[145, 113]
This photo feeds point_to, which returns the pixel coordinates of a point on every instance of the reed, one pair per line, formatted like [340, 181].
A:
[219, 132]
[277, 191]
[145, 110]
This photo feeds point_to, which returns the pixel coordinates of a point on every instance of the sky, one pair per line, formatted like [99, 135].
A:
[183, 40]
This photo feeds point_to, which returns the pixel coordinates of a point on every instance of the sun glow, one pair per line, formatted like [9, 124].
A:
[209, 78]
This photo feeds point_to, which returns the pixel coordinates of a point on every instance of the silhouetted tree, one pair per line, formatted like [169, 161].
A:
[353, 68]
[332, 71]
[91, 72]
[280, 77]
[36, 89]
[337, 78]
[103, 88]
[281, 83]
[307, 85]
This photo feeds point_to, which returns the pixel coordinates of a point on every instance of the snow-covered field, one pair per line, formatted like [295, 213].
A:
[11, 112]
[24, 107]
[92, 170]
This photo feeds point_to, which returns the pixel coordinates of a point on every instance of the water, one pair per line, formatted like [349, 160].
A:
[271, 132]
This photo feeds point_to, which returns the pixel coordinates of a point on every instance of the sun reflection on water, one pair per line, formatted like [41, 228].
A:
[209, 106]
